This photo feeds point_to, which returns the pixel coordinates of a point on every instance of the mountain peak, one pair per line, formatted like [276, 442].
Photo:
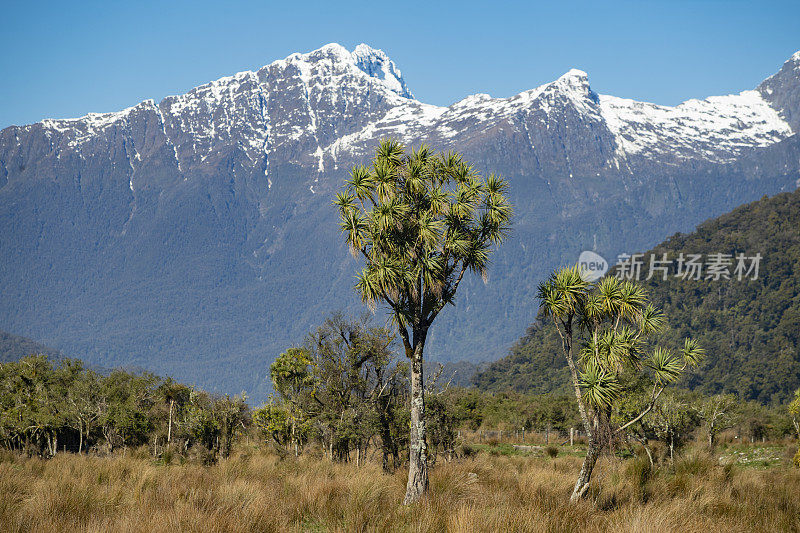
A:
[575, 84]
[372, 62]
[574, 79]
[575, 74]
[375, 63]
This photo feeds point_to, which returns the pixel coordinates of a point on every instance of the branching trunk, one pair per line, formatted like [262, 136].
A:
[593, 451]
[566, 342]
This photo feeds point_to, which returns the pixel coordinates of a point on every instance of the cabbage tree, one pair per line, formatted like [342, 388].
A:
[420, 221]
[607, 331]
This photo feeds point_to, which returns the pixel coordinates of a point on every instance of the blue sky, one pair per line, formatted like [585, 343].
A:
[64, 59]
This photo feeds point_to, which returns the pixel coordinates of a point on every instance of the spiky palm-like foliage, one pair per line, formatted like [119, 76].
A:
[614, 326]
[420, 221]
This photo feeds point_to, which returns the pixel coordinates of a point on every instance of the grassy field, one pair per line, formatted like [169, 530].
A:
[496, 490]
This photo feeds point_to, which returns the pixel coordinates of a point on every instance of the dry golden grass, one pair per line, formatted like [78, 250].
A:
[257, 491]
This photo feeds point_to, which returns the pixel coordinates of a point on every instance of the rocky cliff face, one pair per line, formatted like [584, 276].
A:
[195, 236]
[782, 91]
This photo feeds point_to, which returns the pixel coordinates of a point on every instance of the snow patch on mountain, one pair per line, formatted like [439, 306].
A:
[718, 128]
[715, 129]
[416, 122]
[77, 131]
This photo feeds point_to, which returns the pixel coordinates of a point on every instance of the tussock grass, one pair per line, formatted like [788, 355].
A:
[255, 490]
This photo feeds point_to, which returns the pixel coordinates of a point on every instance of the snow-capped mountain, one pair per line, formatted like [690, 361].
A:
[195, 235]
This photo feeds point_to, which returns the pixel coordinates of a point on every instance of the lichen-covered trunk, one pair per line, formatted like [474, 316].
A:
[712, 434]
[52, 444]
[593, 452]
[418, 460]
[582, 485]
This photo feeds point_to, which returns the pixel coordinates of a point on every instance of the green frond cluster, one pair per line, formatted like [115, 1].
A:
[665, 365]
[601, 387]
[615, 350]
[692, 353]
[563, 293]
[420, 219]
[615, 322]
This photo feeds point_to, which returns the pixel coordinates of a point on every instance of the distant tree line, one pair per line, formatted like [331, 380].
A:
[47, 407]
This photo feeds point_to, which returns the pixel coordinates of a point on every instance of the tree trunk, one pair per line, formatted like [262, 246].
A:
[418, 461]
[386, 438]
[169, 427]
[649, 455]
[671, 448]
[294, 440]
[593, 452]
[582, 485]
[80, 440]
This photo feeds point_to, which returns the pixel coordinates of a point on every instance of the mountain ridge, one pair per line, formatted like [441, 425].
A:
[375, 65]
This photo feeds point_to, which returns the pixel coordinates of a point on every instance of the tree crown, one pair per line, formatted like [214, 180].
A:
[420, 220]
[617, 324]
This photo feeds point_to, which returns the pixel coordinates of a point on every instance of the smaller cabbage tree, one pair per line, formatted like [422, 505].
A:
[608, 333]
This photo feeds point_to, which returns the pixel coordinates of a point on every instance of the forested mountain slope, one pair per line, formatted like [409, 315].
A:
[14, 347]
[750, 328]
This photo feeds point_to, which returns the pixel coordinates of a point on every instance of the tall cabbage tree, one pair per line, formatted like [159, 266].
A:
[607, 331]
[420, 221]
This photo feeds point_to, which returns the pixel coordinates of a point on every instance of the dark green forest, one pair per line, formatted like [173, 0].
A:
[14, 347]
[750, 328]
